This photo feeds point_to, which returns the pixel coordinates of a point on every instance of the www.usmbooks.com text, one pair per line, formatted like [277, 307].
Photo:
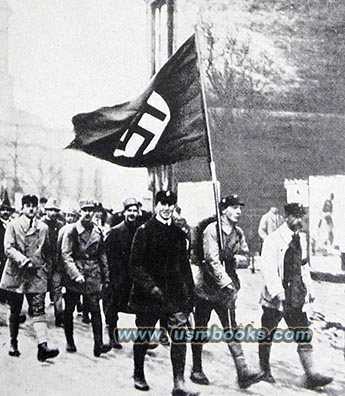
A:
[214, 334]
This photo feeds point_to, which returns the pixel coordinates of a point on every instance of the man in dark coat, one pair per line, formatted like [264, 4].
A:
[118, 248]
[85, 272]
[55, 276]
[162, 286]
[28, 261]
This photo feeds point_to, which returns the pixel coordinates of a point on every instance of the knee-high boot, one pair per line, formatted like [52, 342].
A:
[264, 356]
[97, 329]
[139, 351]
[68, 327]
[245, 377]
[314, 379]
[14, 329]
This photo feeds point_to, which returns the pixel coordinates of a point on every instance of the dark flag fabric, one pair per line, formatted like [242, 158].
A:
[165, 124]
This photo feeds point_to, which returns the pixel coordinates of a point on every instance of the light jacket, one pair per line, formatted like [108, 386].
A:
[272, 267]
[22, 243]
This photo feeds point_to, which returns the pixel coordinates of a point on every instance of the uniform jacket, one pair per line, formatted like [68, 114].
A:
[83, 254]
[159, 258]
[118, 248]
[21, 243]
[272, 266]
[234, 243]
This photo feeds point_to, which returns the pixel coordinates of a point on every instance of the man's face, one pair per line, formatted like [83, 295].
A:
[70, 218]
[294, 222]
[233, 213]
[131, 214]
[86, 215]
[5, 214]
[52, 213]
[165, 210]
[29, 210]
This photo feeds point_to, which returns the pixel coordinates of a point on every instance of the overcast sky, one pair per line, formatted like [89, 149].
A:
[71, 56]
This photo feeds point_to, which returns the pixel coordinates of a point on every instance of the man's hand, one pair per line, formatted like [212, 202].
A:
[279, 298]
[80, 279]
[157, 292]
[241, 261]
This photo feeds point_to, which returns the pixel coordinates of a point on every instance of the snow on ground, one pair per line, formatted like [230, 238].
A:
[82, 374]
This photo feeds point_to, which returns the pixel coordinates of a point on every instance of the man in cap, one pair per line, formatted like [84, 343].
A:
[118, 248]
[220, 286]
[29, 258]
[54, 279]
[287, 289]
[162, 286]
[86, 272]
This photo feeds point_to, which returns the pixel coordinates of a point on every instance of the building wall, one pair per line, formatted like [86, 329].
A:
[292, 125]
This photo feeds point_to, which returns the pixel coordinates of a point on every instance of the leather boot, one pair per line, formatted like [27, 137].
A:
[113, 338]
[314, 379]
[45, 353]
[14, 329]
[245, 377]
[99, 347]
[264, 356]
[139, 351]
[13, 351]
[68, 327]
[197, 375]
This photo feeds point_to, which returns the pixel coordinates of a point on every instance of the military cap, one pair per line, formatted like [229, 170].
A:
[70, 210]
[295, 209]
[166, 197]
[87, 203]
[6, 205]
[29, 199]
[130, 202]
[231, 200]
[52, 204]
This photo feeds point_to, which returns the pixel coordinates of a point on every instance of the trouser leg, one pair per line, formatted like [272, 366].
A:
[71, 300]
[177, 321]
[144, 323]
[15, 301]
[202, 314]
[269, 320]
[245, 376]
[57, 297]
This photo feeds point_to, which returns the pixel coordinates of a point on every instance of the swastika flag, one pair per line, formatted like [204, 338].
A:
[165, 124]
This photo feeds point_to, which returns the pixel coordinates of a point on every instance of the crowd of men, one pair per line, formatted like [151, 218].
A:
[141, 263]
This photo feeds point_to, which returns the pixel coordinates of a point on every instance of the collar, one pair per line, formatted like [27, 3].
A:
[5, 222]
[227, 227]
[79, 227]
[286, 233]
[165, 222]
[25, 222]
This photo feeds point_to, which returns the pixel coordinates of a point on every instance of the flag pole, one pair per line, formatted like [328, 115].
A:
[209, 144]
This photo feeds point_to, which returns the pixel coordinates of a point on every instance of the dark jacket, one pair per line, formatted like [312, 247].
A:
[118, 249]
[54, 227]
[84, 255]
[159, 258]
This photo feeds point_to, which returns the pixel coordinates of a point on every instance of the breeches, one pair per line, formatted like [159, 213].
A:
[295, 318]
[36, 302]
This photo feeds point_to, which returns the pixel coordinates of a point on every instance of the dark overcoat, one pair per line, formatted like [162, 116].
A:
[159, 259]
[118, 249]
